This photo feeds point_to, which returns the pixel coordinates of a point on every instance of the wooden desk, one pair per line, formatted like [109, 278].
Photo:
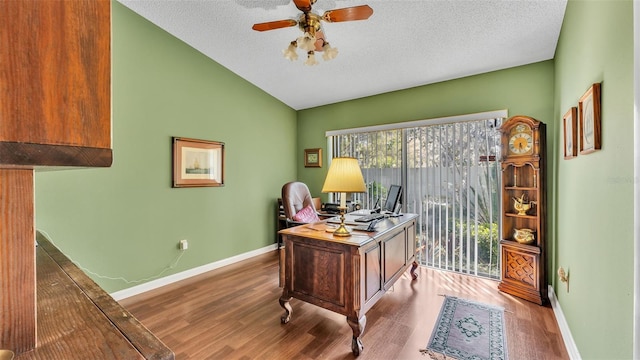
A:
[347, 275]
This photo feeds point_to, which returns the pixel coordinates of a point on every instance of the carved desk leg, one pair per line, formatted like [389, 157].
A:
[357, 325]
[414, 266]
[284, 302]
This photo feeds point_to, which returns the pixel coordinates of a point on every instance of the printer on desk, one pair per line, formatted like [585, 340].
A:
[332, 208]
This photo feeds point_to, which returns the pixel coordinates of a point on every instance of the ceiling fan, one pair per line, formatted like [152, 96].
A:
[313, 39]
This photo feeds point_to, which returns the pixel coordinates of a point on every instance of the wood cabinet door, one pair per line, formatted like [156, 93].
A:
[373, 271]
[394, 257]
[55, 82]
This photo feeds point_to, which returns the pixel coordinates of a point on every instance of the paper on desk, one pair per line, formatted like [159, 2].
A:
[321, 226]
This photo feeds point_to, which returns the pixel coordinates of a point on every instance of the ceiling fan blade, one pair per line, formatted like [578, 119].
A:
[303, 5]
[361, 12]
[272, 25]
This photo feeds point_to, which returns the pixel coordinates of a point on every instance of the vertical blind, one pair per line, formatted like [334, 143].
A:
[449, 171]
[379, 154]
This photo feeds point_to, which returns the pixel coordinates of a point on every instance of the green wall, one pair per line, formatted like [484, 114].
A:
[595, 191]
[126, 221]
[525, 90]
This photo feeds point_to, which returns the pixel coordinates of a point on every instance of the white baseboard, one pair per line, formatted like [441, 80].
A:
[139, 289]
[571, 346]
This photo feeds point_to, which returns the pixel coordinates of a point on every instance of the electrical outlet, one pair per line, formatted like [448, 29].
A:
[184, 244]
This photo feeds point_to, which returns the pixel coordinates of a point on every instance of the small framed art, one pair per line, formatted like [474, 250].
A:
[590, 121]
[197, 162]
[570, 133]
[313, 157]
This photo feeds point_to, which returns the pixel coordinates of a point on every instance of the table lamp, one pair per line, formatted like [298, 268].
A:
[344, 177]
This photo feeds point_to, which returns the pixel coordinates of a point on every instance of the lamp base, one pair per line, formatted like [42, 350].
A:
[342, 230]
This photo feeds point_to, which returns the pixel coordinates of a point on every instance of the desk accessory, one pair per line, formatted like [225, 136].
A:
[370, 217]
[331, 208]
[368, 228]
[344, 177]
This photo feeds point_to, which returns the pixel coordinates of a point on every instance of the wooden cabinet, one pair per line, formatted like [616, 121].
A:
[523, 209]
[55, 83]
[55, 110]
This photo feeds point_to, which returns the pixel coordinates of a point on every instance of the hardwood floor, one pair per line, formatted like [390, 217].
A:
[233, 313]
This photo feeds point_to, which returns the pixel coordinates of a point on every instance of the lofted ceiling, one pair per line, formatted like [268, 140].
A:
[404, 44]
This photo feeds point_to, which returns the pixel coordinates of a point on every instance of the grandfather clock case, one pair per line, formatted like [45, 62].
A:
[524, 214]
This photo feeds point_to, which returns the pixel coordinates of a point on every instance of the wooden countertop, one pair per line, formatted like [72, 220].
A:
[323, 230]
[76, 319]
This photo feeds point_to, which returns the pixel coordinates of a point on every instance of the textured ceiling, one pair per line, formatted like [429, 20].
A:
[404, 44]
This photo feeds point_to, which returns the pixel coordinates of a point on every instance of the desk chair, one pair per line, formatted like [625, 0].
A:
[299, 208]
[298, 205]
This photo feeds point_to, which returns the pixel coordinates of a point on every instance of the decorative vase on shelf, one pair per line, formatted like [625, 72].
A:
[521, 206]
[524, 236]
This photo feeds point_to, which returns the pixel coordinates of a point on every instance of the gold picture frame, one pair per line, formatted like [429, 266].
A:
[590, 120]
[197, 162]
[570, 133]
[313, 157]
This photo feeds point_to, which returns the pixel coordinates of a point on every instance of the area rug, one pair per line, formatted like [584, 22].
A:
[468, 330]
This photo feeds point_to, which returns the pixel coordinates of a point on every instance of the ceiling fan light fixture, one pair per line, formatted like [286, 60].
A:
[307, 42]
[290, 52]
[329, 53]
[313, 39]
[311, 59]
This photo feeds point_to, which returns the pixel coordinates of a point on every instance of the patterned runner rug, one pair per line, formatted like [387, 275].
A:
[468, 330]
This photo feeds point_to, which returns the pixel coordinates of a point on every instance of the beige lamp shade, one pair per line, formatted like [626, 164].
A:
[344, 176]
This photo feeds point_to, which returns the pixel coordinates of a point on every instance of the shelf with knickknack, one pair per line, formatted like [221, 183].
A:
[520, 200]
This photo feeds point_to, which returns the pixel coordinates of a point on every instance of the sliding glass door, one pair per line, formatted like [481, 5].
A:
[380, 156]
[450, 175]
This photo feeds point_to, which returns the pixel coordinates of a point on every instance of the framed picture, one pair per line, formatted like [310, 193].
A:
[197, 162]
[313, 157]
[570, 126]
[590, 127]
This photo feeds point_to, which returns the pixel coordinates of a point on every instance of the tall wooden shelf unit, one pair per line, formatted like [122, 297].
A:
[524, 176]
